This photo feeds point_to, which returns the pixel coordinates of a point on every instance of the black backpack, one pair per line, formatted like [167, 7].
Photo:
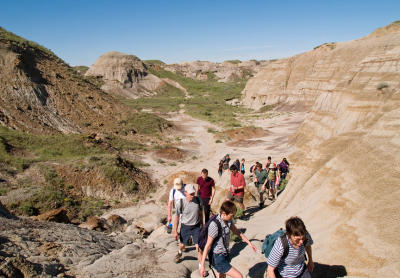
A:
[204, 236]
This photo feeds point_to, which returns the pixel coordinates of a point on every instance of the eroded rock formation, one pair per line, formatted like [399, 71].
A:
[124, 75]
[346, 164]
[223, 72]
[40, 93]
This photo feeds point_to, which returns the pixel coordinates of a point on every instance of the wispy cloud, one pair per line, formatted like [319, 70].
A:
[249, 48]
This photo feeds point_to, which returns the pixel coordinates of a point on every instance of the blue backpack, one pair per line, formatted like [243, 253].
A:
[269, 242]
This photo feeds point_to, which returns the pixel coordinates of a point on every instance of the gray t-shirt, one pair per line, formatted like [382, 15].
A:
[190, 211]
[213, 232]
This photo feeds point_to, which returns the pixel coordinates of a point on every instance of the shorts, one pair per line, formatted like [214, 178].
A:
[221, 263]
[271, 184]
[188, 231]
[235, 198]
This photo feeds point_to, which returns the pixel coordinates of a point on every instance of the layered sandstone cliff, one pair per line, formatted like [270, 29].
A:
[353, 66]
[124, 74]
[346, 174]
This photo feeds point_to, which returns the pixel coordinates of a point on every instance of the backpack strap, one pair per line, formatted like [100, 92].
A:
[220, 234]
[285, 245]
[181, 205]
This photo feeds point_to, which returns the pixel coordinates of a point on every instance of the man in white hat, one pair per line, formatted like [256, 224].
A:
[188, 211]
[176, 193]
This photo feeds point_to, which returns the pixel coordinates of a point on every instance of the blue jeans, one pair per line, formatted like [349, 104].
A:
[221, 263]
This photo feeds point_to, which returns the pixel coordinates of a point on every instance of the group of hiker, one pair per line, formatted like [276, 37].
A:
[268, 179]
[211, 235]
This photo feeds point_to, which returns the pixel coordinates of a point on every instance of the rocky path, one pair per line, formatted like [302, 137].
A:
[203, 152]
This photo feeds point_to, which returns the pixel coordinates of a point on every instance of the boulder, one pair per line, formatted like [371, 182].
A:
[4, 212]
[94, 223]
[57, 215]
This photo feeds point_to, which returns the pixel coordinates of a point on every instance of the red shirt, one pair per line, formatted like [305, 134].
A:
[205, 187]
[236, 181]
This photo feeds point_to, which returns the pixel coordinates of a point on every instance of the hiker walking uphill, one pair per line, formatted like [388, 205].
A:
[284, 167]
[273, 180]
[242, 167]
[287, 256]
[268, 163]
[217, 244]
[225, 162]
[236, 190]
[206, 191]
[188, 212]
[175, 193]
[261, 182]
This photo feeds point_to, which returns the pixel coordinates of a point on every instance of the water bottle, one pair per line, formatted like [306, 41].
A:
[169, 228]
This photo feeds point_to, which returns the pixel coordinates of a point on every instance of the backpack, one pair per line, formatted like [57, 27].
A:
[251, 168]
[269, 242]
[204, 236]
[270, 239]
[271, 175]
[283, 166]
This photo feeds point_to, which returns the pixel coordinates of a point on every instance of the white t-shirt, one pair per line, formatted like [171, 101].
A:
[178, 195]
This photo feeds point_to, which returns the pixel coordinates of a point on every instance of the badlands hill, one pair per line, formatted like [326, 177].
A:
[40, 93]
[124, 75]
[343, 182]
[346, 165]
[228, 71]
[127, 76]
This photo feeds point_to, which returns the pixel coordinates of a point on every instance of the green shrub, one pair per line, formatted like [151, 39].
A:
[3, 192]
[218, 141]
[239, 212]
[382, 85]
[29, 209]
[266, 108]
[233, 61]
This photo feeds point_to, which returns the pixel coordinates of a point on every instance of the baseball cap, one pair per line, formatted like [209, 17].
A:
[178, 183]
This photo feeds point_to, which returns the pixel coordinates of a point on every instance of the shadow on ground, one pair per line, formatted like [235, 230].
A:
[320, 271]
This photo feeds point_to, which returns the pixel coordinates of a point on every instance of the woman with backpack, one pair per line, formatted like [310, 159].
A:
[217, 244]
[291, 262]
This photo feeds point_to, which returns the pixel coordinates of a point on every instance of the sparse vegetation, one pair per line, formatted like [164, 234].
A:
[24, 43]
[233, 61]
[382, 86]
[207, 98]
[266, 108]
[145, 123]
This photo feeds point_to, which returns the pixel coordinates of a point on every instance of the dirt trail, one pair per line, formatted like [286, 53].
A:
[203, 152]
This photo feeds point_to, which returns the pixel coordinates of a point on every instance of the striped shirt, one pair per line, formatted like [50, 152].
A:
[293, 265]
[213, 232]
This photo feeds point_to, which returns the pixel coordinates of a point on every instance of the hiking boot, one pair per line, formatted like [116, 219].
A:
[261, 205]
[178, 257]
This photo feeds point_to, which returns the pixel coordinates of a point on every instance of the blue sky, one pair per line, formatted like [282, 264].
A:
[178, 30]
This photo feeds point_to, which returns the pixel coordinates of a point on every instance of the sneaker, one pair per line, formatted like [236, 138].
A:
[178, 257]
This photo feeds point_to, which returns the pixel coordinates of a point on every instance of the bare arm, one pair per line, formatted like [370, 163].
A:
[170, 211]
[270, 272]
[243, 237]
[212, 194]
[205, 253]
[310, 260]
[176, 221]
